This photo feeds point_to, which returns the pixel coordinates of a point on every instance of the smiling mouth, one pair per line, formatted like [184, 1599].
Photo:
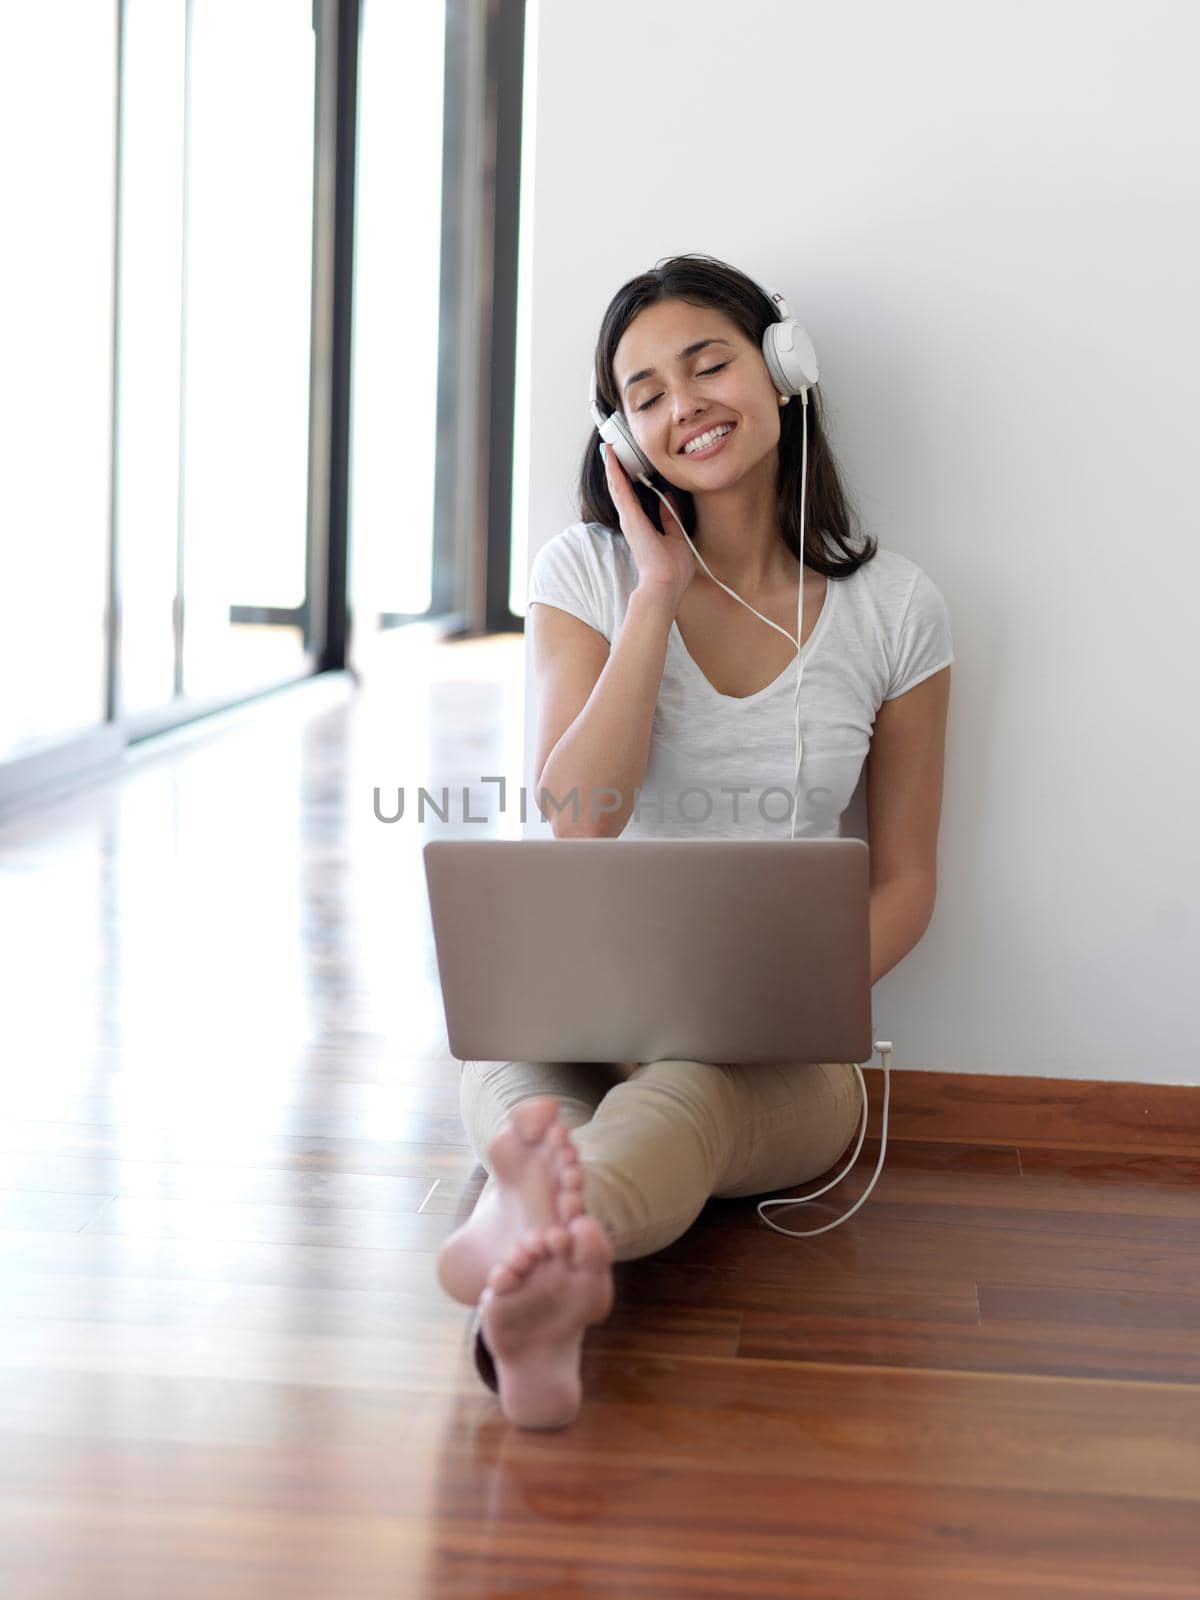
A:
[692, 455]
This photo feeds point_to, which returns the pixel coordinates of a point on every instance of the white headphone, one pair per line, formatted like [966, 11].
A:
[792, 363]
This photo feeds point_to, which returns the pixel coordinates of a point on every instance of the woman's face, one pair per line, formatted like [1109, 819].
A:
[683, 392]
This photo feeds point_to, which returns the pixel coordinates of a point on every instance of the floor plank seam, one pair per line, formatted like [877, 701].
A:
[968, 1375]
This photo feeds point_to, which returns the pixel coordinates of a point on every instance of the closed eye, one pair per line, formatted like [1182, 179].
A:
[647, 404]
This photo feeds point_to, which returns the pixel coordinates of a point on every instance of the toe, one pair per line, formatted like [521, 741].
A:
[519, 1259]
[569, 1205]
[522, 1256]
[532, 1117]
[589, 1243]
[557, 1240]
[502, 1278]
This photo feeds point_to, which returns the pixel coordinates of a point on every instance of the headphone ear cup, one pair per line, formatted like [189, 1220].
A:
[790, 357]
[618, 437]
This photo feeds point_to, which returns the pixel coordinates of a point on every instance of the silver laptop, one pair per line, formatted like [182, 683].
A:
[633, 950]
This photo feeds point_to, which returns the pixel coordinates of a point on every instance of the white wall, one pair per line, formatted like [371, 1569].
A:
[988, 217]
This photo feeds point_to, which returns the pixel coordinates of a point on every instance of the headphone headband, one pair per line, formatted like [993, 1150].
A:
[787, 350]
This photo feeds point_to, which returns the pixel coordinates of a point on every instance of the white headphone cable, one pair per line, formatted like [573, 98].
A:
[642, 478]
[882, 1045]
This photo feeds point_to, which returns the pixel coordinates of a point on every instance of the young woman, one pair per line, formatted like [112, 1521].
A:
[654, 685]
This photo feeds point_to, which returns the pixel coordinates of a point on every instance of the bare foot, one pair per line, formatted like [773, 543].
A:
[538, 1179]
[534, 1310]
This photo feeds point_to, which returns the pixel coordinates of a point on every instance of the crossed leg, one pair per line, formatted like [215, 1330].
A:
[645, 1148]
[529, 1256]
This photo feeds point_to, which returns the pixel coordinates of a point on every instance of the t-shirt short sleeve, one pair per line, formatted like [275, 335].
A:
[924, 644]
[563, 574]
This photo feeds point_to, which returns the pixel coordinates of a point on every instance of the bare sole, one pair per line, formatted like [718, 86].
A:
[537, 1304]
[537, 1176]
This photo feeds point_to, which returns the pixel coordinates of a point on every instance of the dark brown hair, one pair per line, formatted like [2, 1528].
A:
[830, 522]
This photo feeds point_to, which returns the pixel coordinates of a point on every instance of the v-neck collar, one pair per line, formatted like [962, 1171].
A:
[788, 671]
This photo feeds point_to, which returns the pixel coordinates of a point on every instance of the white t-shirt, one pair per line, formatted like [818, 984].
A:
[721, 767]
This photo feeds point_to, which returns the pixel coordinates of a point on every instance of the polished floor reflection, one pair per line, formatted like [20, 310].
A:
[230, 1147]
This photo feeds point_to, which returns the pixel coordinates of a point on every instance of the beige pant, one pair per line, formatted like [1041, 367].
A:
[655, 1141]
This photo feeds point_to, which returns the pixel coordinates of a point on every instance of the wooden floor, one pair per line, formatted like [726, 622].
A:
[230, 1147]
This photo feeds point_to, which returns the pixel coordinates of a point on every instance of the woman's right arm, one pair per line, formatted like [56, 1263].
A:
[607, 746]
